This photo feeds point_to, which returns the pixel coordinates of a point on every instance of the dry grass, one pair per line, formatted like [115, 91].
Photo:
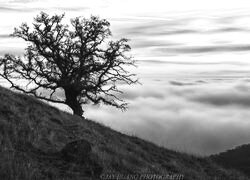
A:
[31, 132]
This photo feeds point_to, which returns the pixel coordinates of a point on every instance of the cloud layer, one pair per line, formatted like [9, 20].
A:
[192, 117]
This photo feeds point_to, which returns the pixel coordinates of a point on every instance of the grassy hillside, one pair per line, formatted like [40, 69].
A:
[32, 135]
[237, 158]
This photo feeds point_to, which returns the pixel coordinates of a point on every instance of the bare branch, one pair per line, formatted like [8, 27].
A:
[78, 60]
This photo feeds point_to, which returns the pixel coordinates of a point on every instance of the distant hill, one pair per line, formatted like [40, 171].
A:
[38, 141]
[237, 158]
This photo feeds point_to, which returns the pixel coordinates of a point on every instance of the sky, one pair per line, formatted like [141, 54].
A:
[193, 61]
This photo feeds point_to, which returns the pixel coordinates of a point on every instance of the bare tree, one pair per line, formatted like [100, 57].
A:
[77, 58]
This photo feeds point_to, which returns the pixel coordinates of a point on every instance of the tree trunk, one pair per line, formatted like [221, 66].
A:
[72, 102]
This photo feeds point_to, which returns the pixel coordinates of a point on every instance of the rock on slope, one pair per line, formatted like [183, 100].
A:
[40, 142]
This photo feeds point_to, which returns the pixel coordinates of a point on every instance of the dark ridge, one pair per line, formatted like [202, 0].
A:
[237, 158]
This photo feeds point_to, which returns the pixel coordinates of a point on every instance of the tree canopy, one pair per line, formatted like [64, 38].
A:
[78, 58]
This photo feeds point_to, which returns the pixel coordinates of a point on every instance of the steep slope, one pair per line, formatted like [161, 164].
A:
[237, 158]
[34, 136]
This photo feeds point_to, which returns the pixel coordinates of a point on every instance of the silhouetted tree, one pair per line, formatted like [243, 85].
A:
[76, 58]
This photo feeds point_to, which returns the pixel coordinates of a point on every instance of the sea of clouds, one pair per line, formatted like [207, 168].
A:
[200, 114]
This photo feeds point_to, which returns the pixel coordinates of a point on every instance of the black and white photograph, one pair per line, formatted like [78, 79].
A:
[124, 90]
